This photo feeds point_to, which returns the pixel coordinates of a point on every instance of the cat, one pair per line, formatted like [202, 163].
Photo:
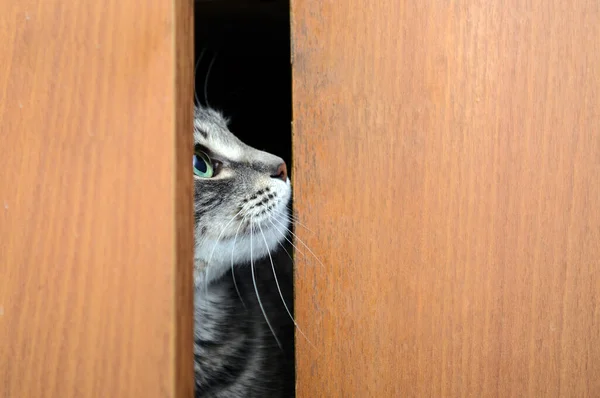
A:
[241, 198]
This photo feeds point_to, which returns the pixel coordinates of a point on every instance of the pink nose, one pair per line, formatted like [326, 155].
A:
[281, 172]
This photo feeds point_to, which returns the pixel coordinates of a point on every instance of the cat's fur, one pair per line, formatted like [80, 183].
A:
[241, 215]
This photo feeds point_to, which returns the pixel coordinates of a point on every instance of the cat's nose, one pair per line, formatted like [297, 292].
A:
[281, 172]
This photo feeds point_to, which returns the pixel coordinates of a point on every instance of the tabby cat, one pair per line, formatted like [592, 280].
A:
[241, 198]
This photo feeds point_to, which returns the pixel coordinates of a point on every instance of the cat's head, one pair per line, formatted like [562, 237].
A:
[241, 196]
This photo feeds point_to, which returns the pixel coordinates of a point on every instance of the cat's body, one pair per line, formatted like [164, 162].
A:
[235, 352]
[241, 216]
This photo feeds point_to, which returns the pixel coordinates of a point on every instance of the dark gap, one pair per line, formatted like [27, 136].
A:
[250, 82]
[250, 79]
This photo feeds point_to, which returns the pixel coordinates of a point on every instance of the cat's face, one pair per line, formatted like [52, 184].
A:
[240, 198]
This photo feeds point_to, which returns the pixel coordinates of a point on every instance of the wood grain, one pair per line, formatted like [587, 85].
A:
[447, 156]
[95, 199]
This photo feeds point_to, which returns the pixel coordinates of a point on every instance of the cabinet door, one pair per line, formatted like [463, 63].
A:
[95, 198]
[447, 158]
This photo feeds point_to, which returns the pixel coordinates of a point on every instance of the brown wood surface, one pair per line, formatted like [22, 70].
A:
[447, 158]
[95, 198]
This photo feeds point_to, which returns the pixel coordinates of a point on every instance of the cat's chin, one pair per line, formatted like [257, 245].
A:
[214, 258]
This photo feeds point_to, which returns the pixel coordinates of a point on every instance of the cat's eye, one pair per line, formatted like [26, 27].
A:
[203, 167]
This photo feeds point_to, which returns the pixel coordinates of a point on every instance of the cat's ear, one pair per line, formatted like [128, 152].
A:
[219, 114]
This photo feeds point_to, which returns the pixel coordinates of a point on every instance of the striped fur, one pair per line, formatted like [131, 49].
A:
[241, 215]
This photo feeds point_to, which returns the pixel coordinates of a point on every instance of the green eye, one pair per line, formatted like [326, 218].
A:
[203, 167]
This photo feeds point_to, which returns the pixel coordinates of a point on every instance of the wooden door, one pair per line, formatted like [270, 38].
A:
[95, 198]
[447, 158]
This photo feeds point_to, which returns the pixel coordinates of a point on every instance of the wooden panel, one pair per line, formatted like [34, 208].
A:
[95, 199]
[447, 156]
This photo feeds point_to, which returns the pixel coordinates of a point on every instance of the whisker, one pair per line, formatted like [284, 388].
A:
[213, 249]
[206, 80]
[195, 70]
[296, 222]
[285, 250]
[286, 238]
[256, 288]
[232, 267]
[299, 240]
[279, 288]
[296, 249]
[292, 216]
